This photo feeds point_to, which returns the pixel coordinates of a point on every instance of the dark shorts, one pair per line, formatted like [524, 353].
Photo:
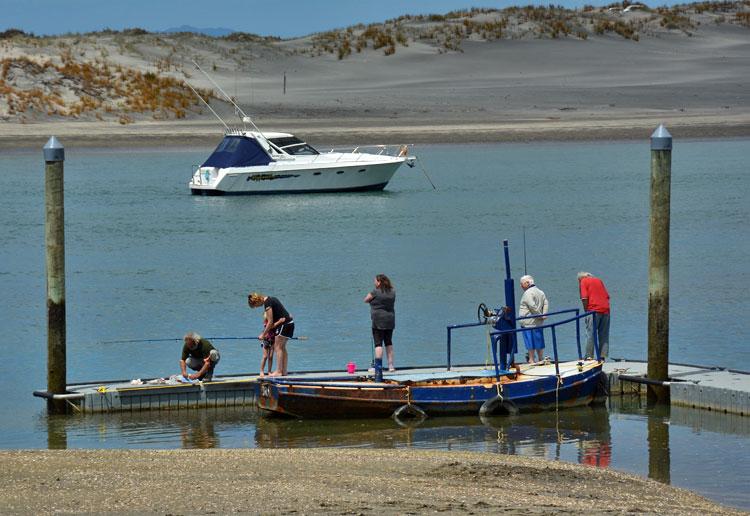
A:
[286, 330]
[267, 343]
[382, 336]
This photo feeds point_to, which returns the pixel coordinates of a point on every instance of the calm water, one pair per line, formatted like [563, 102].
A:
[147, 260]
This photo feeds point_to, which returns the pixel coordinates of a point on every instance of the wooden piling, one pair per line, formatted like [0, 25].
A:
[658, 265]
[54, 157]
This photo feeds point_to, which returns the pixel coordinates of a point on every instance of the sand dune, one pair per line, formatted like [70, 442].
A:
[696, 81]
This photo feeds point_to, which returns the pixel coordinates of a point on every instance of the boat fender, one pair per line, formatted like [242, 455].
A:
[409, 411]
[498, 405]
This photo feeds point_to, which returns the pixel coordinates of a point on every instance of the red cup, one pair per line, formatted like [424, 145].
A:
[351, 368]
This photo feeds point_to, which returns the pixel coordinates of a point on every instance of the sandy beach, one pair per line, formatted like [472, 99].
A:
[339, 481]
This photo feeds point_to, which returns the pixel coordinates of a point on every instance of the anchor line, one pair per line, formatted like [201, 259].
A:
[425, 173]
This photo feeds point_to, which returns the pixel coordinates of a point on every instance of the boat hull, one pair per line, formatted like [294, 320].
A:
[279, 177]
[330, 399]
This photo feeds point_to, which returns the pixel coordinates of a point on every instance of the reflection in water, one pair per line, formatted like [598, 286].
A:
[199, 433]
[57, 435]
[541, 434]
[658, 444]
[189, 429]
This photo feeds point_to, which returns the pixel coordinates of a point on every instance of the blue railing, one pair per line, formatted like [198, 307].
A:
[497, 334]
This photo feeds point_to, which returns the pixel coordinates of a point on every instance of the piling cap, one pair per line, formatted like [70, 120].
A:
[661, 139]
[53, 150]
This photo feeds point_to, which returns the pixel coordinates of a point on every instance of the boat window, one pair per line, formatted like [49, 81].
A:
[238, 151]
[294, 146]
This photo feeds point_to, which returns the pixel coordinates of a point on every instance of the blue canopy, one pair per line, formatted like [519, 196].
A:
[238, 151]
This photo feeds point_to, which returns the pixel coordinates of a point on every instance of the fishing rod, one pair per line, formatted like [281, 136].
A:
[138, 341]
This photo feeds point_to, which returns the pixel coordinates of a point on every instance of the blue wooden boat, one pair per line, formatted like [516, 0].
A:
[505, 387]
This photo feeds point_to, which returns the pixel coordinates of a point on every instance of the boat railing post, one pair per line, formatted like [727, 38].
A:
[554, 350]
[578, 334]
[448, 368]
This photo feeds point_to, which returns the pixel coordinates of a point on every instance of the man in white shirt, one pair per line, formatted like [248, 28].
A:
[533, 302]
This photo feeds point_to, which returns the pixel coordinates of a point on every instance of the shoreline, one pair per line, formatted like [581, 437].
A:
[377, 131]
[314, 481]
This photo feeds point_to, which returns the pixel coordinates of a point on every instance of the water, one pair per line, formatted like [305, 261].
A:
[145, 259]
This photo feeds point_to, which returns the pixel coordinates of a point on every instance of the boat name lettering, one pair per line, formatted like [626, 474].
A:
[269, 177]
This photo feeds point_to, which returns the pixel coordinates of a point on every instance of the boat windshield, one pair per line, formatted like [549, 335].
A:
[294, 146]
[238, 151]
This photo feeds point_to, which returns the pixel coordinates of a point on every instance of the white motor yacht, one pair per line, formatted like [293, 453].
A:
[254, 162]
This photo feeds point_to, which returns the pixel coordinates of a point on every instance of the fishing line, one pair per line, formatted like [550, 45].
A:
[137, 341]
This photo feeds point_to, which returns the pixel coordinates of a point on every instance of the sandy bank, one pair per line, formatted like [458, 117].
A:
[324, 481]
[356, 131]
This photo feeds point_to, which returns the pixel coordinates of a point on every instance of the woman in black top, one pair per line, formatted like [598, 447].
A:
[382, 312]
[279, 322]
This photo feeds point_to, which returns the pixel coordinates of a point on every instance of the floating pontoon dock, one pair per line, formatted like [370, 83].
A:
[691, 386]
[223, 391]
[711, 388]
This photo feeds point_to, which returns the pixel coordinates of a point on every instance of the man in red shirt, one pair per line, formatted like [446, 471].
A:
[595, 298]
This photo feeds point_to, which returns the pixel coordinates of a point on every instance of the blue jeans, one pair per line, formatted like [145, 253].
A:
[601, 324]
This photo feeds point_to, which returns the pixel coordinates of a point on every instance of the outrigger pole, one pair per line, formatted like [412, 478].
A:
[208, 106]
[245, 117]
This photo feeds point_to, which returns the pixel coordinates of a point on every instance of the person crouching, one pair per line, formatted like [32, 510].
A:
[199, 355]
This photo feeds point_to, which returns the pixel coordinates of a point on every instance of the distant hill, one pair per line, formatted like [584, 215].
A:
[216, 32]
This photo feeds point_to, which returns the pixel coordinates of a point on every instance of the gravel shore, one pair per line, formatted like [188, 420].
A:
[313, 481]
